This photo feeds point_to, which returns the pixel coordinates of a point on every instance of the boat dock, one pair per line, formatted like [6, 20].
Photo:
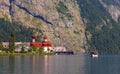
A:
[62, 51]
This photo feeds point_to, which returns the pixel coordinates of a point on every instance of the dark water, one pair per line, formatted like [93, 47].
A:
[60, 64]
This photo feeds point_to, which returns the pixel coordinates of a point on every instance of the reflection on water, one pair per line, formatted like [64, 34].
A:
[59, 64]
[11, 64]
[63, 64]
[108, 64]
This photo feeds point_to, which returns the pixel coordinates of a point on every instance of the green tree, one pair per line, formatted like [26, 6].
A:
[11, 43]
[32, 49]
[1, 45]
[62, 8]
[23, 49]
[41, 49]
[6, 49]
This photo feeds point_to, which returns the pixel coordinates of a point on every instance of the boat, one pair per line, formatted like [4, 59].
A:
[94, 54]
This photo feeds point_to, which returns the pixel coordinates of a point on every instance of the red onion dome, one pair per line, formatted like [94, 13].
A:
[33, 36]
[45, 37]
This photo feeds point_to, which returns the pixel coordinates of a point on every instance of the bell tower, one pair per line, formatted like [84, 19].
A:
[33, 38]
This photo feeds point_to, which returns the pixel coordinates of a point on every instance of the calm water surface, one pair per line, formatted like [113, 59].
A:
[60, 64]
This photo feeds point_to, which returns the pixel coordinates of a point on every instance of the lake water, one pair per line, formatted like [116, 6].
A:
[60, 64]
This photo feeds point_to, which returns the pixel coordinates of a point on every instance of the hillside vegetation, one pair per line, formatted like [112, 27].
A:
[21, 33]
[102, 32]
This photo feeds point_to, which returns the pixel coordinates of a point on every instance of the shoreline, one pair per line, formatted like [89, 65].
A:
[25, 54]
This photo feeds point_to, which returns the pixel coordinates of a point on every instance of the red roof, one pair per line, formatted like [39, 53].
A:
[47, 44]
[37, 44]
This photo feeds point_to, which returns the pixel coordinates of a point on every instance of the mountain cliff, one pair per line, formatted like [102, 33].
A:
[75, 24]
[60, 20]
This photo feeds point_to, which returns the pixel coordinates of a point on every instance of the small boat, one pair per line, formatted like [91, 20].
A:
[94, 54]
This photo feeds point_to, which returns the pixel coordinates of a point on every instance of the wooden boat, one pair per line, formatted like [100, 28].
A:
[94, 54]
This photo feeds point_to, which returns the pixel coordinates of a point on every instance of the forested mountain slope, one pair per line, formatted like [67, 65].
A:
[101, 18]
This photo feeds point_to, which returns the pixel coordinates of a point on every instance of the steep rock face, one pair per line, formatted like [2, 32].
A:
[113, 7]
[4, 9]
[60, 20]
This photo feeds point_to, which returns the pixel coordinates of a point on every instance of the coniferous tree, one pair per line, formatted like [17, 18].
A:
[1, 45]
[23, 49]
[11, 43]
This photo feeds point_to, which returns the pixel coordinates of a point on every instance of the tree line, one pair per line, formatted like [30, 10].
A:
[11, 47]
[15, 32]
[21, 32]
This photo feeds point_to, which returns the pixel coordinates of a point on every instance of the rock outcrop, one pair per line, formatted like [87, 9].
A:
[113, 7]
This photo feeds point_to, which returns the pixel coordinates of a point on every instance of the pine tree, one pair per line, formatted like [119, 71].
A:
[1, 45]
[11, 43]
